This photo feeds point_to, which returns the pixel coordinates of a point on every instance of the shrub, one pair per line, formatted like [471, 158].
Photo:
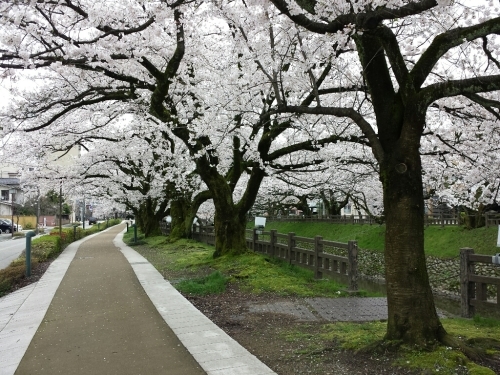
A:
[9, 275]
[28, 226]
[46, 247]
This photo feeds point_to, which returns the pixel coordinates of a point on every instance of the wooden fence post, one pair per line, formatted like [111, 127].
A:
[291, 245]
[255, 238]
[467, 288]
[486, 224]
[318, 259]
[273, 241]
[352, 255]
[442, 219]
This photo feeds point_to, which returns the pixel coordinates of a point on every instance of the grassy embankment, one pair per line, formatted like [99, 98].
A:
[184, 261]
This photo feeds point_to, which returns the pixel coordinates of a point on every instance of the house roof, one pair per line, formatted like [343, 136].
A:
[9, 181]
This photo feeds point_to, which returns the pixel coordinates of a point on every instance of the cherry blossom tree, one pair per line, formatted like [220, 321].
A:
[417, 59]
[173, 82]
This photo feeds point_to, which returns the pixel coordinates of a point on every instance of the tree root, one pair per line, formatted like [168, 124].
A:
[474, 354]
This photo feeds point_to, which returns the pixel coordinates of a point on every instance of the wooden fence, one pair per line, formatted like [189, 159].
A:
[340, 261]
[315, 254]
[310, 253]
[457, 219]
[204, 234]
[474, 287]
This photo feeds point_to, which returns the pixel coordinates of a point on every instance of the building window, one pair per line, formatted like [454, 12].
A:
[5, 195]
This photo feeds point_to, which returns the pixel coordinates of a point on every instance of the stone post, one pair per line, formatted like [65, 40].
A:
[352, 254]
[318, 259]
[273, 239]
[255, 238]
[467, 288]
[291, 245]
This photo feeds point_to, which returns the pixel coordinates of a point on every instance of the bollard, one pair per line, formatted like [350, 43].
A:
[135, 232]
[28, 252]
[98, 226]
[127, 226]
[74, 232]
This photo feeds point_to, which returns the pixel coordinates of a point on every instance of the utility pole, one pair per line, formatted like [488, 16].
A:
[12, 193]
[83, 212]
[37, 209]
[60, 209]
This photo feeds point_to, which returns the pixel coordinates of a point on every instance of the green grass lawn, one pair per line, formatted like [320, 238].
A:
[439, 242]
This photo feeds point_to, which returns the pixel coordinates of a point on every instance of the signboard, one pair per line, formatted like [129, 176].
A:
[260, 222]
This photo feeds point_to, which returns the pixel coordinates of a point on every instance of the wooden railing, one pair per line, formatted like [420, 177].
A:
[314, 254]
[321, 256]
[474, 287]
[491, 220]
[204, 234]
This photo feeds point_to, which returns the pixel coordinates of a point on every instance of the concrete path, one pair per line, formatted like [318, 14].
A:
[112, 313]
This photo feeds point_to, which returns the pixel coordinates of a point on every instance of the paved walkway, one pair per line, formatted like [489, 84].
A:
[328, 309]
[101, 308]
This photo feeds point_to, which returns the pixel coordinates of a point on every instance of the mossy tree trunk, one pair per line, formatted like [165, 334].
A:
[230, 216]
[183, 210]
[148, 217]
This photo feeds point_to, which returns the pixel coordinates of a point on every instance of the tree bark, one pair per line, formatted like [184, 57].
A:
[412, 315]
[230, 217]
[230, 229]
[179, 211]
[183, 211]
[148, 219]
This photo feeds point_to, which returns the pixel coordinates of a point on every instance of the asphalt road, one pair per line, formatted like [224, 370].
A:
[10, 249]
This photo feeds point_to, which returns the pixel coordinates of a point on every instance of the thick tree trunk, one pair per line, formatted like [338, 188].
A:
[147, 219]
[412, 314]
[230, 229]
[230, 217]
[182, 218]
